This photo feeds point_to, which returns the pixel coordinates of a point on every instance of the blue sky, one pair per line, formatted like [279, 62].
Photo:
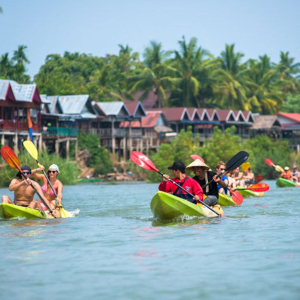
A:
[96, 27]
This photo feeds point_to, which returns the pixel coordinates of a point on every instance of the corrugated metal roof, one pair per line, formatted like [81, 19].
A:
[23, 92]
[73, 104]
[115, 108]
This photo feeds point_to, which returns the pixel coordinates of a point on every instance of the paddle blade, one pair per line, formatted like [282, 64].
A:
[237, 160]
[245, 166]
[278, 168]
[259, 178]
[30, 147]
[194, 157]
[10, 157]
[143, 161]
[236, 197]
[258, 187]
[269, 162]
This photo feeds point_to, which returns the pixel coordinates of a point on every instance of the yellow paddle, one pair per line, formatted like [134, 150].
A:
[30, 147]
[245, 166]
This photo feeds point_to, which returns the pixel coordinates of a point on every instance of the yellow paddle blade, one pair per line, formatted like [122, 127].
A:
[245, 166]
[30, 147]
[278, 169]
[65, 213]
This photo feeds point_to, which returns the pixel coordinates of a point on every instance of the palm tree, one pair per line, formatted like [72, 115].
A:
[233, 80]
[5, 66]
[188, 62]
[155, 76]
[19, 55]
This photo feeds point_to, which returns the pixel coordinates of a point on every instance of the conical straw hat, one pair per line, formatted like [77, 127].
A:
[197, 163]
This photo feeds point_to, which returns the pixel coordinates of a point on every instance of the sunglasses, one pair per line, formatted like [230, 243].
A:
[52, 172]
[222, 169]
[26, 173]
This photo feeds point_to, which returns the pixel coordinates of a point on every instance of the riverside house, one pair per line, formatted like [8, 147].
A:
[17, 102]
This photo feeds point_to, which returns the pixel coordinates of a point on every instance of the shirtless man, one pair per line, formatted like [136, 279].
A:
[23, 192]
[238, 177]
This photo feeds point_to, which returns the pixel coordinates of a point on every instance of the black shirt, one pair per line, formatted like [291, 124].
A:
[213, 188]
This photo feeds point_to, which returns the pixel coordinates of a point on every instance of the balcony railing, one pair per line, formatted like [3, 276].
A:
[56, 131]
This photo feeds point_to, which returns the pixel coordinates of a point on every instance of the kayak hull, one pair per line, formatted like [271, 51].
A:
[248, 193]
[281, 182]
[165, 206]
[11, 211]
[225, 200]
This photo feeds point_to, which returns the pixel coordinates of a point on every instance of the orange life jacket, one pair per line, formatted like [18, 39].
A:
[287, 175]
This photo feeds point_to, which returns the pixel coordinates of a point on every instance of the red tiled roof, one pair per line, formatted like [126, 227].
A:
[131, 106]
[292, 116]
[147, 122]
[171, 113]
[224, 114]
[151, 100]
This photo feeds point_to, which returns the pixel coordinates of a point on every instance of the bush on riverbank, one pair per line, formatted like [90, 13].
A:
[99, 156]
[68, 170]
[222, 146]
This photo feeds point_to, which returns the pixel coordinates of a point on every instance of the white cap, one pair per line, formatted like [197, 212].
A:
[286, 168]
[55, 167]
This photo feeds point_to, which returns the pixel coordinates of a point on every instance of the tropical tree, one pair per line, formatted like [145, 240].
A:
[188, 62]
[6, 66]
[155, 76]
[19, 55]
[233, 81]
[263, 94]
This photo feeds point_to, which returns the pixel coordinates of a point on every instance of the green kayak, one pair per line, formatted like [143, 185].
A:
[226, 200]
[90, 180]
[11, 211]
[281, 182]
[165, 206]
[248, 193]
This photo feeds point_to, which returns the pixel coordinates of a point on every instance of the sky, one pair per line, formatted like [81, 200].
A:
[97, 27]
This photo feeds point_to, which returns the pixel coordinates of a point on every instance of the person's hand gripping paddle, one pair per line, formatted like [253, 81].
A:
[143, 161]
[30, 147]
[12, 160]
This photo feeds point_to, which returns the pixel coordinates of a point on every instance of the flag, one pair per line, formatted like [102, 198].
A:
[29, 125]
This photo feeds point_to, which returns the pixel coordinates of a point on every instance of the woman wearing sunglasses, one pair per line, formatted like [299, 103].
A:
[52, 174]
[23, 192]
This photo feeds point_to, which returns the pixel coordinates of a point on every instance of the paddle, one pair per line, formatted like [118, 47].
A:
[194, 157]
[259, 178]
[236, 196]
[12, 160]
[143, 161]
[270, 163]
[30, 147]
[257, 187]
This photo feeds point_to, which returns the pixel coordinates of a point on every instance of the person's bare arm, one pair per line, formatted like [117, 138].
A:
[15, 184]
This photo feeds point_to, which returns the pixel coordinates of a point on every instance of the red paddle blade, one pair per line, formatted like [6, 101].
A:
[10, 157]
[258, 187]
[269, 162]
[194, 157]
[142, 160]
[236, 197]
[259, 178]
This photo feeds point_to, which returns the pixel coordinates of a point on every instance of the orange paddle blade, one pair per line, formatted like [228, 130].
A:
[258, 187]
[236, 197]
[143, 161]
[194, 157]
[10, 157]
[259, 178]
[269, 162]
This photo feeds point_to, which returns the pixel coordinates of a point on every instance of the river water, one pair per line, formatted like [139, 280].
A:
[114, 249]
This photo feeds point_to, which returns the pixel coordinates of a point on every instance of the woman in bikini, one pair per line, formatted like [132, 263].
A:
[52, 174]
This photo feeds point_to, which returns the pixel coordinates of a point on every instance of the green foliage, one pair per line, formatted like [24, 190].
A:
[292, 105]
[263, 147]
[222, 146]
[99, 156]
[68, 170]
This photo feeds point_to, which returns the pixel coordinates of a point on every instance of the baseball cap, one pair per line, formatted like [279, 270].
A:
[178, 165]
[286, 168]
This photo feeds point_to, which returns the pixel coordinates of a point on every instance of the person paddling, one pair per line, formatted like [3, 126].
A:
[183, 180]
[286, 174]
[52, 174]
[203, 176]
[23, 192]
[249, 177]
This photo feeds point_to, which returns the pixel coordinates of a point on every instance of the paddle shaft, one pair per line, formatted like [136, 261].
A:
[48, 180]
[178, 185]
[31, 184]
